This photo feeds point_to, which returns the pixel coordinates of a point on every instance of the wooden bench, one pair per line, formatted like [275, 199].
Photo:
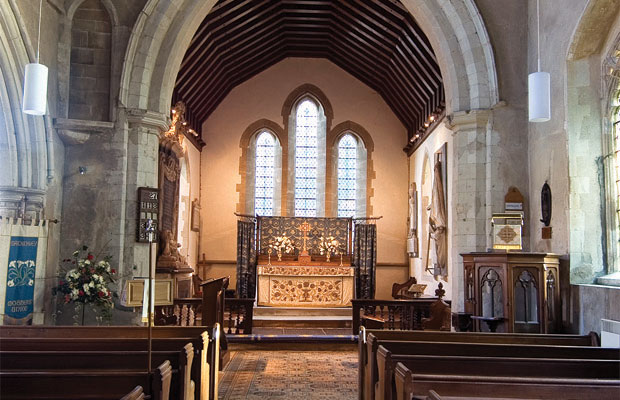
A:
[441, 366]
[180, 361]
[83, 384]
[367, 350]
[410, 385]
[204, 371]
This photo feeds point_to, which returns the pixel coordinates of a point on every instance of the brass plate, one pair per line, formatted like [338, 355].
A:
[134, 290]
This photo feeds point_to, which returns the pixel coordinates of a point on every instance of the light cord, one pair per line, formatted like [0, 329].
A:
[538, 32]
[39, 34]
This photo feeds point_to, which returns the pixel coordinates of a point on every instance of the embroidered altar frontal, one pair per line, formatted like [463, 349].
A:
[270, 227]
[305, 286]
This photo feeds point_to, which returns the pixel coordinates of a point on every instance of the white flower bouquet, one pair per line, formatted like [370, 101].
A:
[328, 245]
[283, 244]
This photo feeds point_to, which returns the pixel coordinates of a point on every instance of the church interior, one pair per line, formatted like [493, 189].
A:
[330, 199]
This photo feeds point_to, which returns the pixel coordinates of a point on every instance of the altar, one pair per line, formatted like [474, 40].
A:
[313, 284]
[304, 262]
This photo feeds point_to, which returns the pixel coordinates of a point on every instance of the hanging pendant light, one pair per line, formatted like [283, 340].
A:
[539, 85]
[35, 82]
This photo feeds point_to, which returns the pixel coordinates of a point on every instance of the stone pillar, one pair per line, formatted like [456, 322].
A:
[143, 129]
[470, 223]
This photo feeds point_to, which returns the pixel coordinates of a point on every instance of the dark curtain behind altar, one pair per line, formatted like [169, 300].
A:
[365, 260]
[246, 259]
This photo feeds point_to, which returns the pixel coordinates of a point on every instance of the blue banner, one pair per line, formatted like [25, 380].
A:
[19, 298]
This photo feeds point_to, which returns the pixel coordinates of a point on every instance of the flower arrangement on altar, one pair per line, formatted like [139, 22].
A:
[85, 280]
[282, 244]
[328, 245]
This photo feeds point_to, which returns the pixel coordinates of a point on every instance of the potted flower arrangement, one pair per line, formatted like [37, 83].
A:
[328, 245]
[84, 280]
[282, 244]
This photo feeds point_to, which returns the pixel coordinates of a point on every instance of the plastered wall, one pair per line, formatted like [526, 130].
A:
[263, 97]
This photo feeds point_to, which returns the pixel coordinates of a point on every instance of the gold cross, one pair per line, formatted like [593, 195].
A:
[305, 228]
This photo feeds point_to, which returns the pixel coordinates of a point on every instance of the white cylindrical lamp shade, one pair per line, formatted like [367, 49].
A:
[539, 89]
[35, 89]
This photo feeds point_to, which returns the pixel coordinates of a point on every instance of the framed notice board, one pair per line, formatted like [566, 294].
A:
[148, 208]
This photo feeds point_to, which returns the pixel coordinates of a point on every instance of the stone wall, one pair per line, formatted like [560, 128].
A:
[91, 35]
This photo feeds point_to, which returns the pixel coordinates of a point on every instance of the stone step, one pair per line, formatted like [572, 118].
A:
[302, 312]
[307, 322]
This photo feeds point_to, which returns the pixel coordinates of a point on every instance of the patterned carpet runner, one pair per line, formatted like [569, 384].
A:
[253, 374]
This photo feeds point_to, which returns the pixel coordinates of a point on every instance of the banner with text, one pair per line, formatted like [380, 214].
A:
[19, 300]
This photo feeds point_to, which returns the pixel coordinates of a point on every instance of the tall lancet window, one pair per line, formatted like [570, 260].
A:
[347, 176]
[306, 159]
[264, 175]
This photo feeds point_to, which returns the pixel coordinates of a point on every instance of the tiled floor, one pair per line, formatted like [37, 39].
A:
[255, 375]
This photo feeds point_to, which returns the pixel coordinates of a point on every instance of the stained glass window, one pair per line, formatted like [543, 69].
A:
[264, 174]
[347, 176]
[306, 159]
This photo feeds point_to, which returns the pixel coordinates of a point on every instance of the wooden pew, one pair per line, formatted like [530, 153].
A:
[484, 349]
[367, 374]
[465, 386]
[180, 361]
[83, 384]
[123, 338]
[442, 366]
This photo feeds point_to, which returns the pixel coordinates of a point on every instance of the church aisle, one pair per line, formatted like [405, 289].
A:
[290, 374]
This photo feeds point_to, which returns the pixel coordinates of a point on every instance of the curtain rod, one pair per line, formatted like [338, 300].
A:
[244, 215]
[359, 218]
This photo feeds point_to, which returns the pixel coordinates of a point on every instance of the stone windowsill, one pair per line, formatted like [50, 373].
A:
[609, 280]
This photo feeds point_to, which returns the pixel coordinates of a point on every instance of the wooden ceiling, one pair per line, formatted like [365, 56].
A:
[377, 41]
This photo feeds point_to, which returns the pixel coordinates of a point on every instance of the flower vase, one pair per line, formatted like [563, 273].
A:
[279, 255]
[328, 256]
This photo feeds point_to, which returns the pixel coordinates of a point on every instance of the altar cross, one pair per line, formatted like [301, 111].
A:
[305, 228]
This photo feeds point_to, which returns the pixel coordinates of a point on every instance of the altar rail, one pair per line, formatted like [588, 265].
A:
[240, 313]
[398, 314]
[237, 318]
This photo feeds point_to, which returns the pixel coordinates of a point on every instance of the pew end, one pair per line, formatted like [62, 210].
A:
[136, 394]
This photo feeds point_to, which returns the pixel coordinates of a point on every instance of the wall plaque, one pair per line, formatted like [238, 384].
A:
[148, 208]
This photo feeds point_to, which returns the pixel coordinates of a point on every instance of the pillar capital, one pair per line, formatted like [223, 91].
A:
[468, 120]
[152, 120]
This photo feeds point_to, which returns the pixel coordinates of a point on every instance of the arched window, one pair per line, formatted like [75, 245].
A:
[347, 176]
[264, 176]
[306, 158]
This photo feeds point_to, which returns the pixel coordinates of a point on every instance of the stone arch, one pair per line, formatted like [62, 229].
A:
[109, 6]
[164, 30]
[302, 91]
[26, 149]
[592, 228]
